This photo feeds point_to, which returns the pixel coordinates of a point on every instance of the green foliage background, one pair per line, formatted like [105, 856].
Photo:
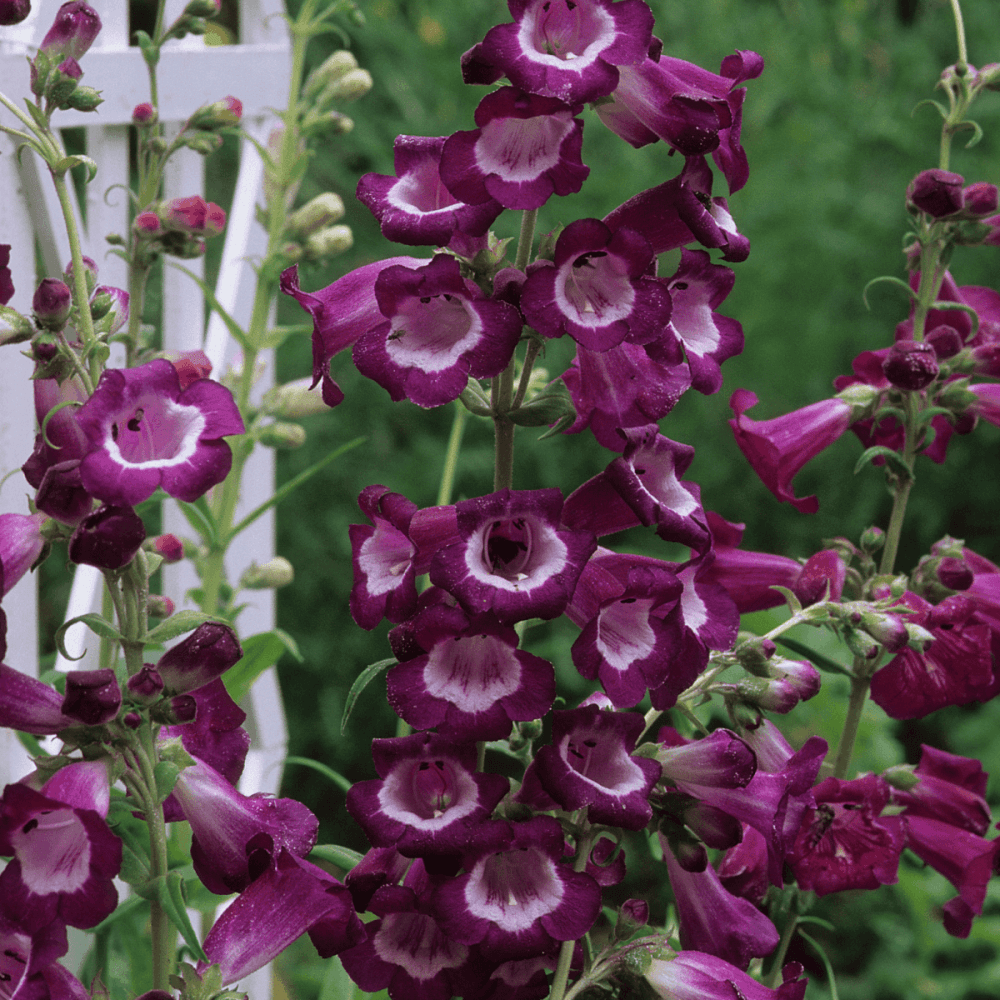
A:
[833, 139]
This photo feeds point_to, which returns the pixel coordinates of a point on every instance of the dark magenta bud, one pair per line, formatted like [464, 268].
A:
[73, 31]
[633, 915]
[823, 569]
[936, 192]
[208, 652]
[132, 719]
[52, 303]
[13, 11]
[169, 547]
[146, 686]
[108, 538]
[92, 696]
[144, 114]
[911, 364]
[981, 199]
[954, 573]
[945, 340]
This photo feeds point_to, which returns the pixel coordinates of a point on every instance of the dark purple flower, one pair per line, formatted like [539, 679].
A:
[192, 216]
[108, 538]
[778, 448]
[473, 682]
[21, 543]
[73, 31]
[145, 432]
[518, 899]
[207, 653]
[430, 798]
[589, 764]
[949, 788]
[980, 199]
[438, 330]
[415, 207]
[694, 975]
[30, 706]
[743, 868]
[568, 49]
[28, 966]
[845, 842]
[526, 149]
[911, 365]
[13, 12]
[64, 854]
[936, 192]
[513, 557]
[596, 291]
[341, 312]
[92, 696]
[51, 303]
[821, 578]
[6, 281]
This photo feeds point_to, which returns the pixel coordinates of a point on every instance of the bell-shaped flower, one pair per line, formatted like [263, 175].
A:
[341, 312]
[64, 855]
[28, 966]
[692, 110]
[21, 543]
[108, 538]
[621, 388]
[948, 787]
[284, 902]
[743, 868]
[695, 975]
[719, 760]
[414, 207]
[473, 683]
[236, 838]
[30, 706]
[714, 921]
[845, 842]
[596, 291]
[778, 448]
[438, 330]
[518, 899]
[73, 31]
[429, 797]
[145, 432]
[206, 654]
[525, 149]
[569, 49]
[589, 764]
[513, 556]
[92, 696]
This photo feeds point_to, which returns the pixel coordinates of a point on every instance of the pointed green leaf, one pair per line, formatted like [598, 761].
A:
[794, 604]
[941, 109]
[328, 772]
[342, 857]
[259, 652]
[821, 662]
[166, 774]
[888, 279]
[199, 515]
[178, 624]
[76, 160]
[96, 623]
[170, 893]
[361, 682]
[892, 459]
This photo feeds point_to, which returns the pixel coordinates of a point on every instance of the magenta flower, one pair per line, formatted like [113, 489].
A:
[108, 538]
[28, 966]
[430, 798]
[694, 975]
[206, 654]
[778, 448]
[21, 543]
[6, 280]
[64, 854]
[513, 557]
[526, 149]
[193, 216]
[92, 696]
[145, 432]
[73, 31]
[596, 291]
[563, 49]
[30, 706]
[341, 312]
[936, 192]
[438, 330]
[415, 207]
[14, 12]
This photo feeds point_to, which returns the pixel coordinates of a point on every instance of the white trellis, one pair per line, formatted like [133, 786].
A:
[189, 74]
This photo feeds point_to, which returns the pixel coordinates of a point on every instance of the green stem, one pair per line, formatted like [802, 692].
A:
[860, 683]
[901, 494]
[561, 977]
[963, 54]
[451, 454]
[534, 346]
[773, 978]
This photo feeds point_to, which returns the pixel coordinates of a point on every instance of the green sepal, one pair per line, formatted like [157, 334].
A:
[178, 624]
[150, 50]
[343, 857]
[360, 683]
[39, 116]
[977, 132]
[96, 623]
[166, 774]
[76, 160]
[794, 604]
[892, 459]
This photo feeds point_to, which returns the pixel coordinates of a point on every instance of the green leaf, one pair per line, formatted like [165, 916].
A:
[123, 910]
[830, 978]
[892, 280]
[38, 115]
[977, 132]
[821, 662]
[961, 307]
[941, 109]
[96, 623]
[166, 774]
[291, 485]
[794, 604]
[361, 682]
[260, 651]
[328, 772]
[169, 890]
[178, 624]
[235, 330]
[892, 459]
[333, 854]
[199, 515]
[76, 160]
[30, 743]
[926, 416]
[337, 984]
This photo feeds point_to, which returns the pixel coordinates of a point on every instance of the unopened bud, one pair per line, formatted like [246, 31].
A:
[634, 913]
[918, 637]
[901, 777]
[169, 547]
[872, 539]
[824, 573]
[329, 71]
[954, 573]
[945, 340]
[888, 630]
[282, 435]
[218, 114]
[160, 606]
[89, 273]
[860, 644]
[320, 212]
[14, 328]
[329, 242]
[204, 143]
[113, 303]
[84, 99]
[936, 192]
[52, 303]
[144, 114]
[203, 8]
[145, 687]
[989, 76]
[13, 11]
[753, 655]
[911, 365]
[294, 400]
[276, 572]
[531, 729]
[981, 199]
[73, 31]
[353, 85]
[148, 224]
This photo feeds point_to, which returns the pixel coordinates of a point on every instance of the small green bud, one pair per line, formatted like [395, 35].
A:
[203, 8]
[14, 328]
[84, 99]
[100, 305]
[860, 644]
[329, 71]
[60, 89]
[328, 242]
[901, 776]
[283, 436]
[872, 539]
[919, 637]
[353, 85]
[276, 572]
[862, 399]
[157, 144]
[531, 729]
[203, 143]
[318, 213]
[294, 400]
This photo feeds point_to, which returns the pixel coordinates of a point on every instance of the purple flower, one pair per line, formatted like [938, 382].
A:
[13, 12]
[64, 854]
[108, 538]
[778, 448]
[6, 281]
[51, 303]
[589, 765]
[430, 798]
[513, 557]
[845, 842]
[30, 706]
[936, 192]
[145, 432]
[561, 48]
[473, 682]
[596, 290]
[518, 899]
[415, 207]
[439, 330]
[28, 966]
[694, 975]
[92, 696]
[824, 573]
[206, 654]
[341, 312]
[73, 32]
[692, 110]
[21, 543]
[235, 838]
[526, 149]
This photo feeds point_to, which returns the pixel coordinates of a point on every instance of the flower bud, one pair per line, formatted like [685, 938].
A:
[14, 328]
[89, 273]
[146, 686]
[169, 547]
[329, 71]
[144, 114]
[888, 630]
[218, 114]
[176, 712]
[981, 199]
[911, 365]
[354, 84]
[860, 644]
[203, 143]
[203, 8]
[634, 913]
[75, 27]
[936, 192]
[160, 606]
[945, 340]
[919, 637]
[207, 653]
[61, 83]
[276, 572]
[193, 215]
[294, 400]
[84, 99]
[108, 538]
[13, 11]
[148, 224]
[989, 76]
[321, 211]
[52, 303]
[753, 655]
[824, 571]
[113, 304]
[901, 777]
[955, 573]
[132, 719]
[872, 539]
[282, 435]
[92, 696]
[329, 242]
